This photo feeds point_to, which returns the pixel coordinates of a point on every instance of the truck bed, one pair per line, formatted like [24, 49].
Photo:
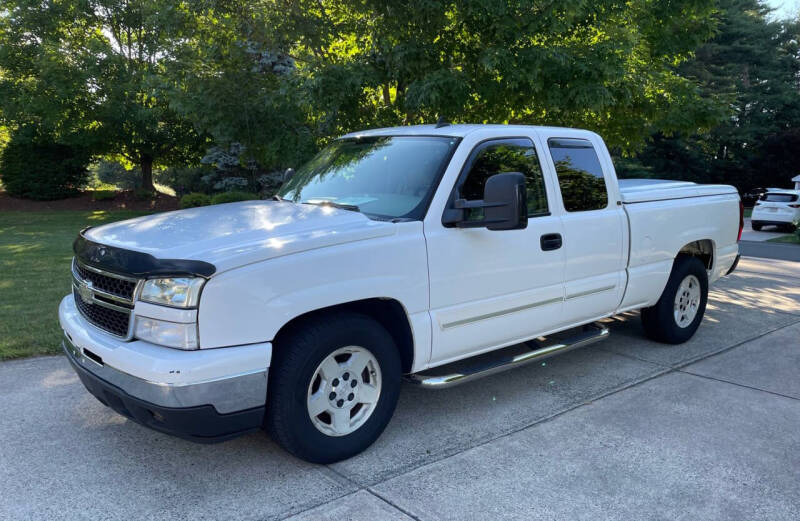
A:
[644, 190]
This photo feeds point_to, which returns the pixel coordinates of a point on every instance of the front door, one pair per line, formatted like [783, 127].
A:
[494, 288]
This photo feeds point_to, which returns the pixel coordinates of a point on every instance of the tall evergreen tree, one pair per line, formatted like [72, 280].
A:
[752, 65]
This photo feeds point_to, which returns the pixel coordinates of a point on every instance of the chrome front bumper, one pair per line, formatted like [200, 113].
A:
[230, 378]
[226, 395]
[200, 423]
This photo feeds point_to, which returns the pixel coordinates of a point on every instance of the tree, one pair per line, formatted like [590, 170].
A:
[605, 65]
[754, 66]
[234, 78]
[94, 69]
[158, 80]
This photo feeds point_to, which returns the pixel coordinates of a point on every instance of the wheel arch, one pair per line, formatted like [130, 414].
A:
[388, 312]
[703, 249]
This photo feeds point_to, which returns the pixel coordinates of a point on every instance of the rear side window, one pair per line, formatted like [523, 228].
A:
[580, 175]
[508, 155]
[779, 198]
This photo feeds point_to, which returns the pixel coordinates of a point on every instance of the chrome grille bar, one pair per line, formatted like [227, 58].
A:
[91, 295]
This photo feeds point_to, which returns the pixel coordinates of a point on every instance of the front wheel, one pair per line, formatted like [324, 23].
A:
[333, 387]
[678, 313]
[756, 225]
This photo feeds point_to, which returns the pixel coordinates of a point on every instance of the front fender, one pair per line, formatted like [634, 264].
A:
[251, 303]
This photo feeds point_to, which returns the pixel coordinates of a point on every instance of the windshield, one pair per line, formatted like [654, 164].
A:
[386, 177]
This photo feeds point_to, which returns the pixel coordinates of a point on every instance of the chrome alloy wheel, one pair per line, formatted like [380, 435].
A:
[344, 391]
[687, 301]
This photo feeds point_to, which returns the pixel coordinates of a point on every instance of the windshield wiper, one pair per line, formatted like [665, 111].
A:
[341, 206]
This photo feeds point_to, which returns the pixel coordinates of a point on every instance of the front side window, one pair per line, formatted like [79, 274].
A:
[580, 175]
[513, 155]
[385, 176]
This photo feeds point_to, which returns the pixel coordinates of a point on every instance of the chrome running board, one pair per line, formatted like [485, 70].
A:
[590, 334]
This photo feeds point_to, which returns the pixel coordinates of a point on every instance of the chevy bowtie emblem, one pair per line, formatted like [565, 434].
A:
[85, 291]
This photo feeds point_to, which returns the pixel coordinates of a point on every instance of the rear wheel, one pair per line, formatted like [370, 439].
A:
[333, 387]
[678, 313]
[756, 225]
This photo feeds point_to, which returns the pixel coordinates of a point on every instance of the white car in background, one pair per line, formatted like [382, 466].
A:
[779, 208]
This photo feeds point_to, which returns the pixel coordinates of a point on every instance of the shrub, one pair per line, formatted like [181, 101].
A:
[269, 183]
[143, 194]
[103, 195]
[194, 200]
[232, 197]
[185, 180]
[115, 173]
[37, 168]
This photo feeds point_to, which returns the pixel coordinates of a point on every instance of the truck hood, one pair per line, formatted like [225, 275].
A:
[235, 234]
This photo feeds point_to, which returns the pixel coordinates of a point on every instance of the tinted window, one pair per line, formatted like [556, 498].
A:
[517, 155]
[387, 176]
[580, 174]
[779, 198]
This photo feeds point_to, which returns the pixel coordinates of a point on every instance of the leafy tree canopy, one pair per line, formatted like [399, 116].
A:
[753, 65]
[605, 65]
[160, 82]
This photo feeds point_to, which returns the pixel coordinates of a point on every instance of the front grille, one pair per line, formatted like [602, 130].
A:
[111, 320]
[107, 300]
[120, 287]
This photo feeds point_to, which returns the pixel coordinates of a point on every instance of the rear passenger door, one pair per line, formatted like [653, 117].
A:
[594, 275]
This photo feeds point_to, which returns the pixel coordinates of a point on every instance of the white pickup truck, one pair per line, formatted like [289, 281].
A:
[392, 254]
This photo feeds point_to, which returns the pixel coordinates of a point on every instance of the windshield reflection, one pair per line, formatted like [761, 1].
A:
[384, 176]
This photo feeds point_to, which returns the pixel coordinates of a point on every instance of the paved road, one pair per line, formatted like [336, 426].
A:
[625, 429]
[749, 234]
[770, 250]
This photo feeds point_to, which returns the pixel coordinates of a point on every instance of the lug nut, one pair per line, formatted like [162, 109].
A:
[335, 382]
[353, 383]
[340, 403]
[350, 396]
[346, 376]
[331, 396]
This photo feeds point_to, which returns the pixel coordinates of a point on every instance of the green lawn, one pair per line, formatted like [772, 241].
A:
[35, 251]
[786, 239]
[748, 212]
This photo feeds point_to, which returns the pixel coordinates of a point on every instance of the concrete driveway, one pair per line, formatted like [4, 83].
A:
[625, 429]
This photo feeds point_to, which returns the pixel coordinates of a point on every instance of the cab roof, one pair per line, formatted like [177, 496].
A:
[450, 130]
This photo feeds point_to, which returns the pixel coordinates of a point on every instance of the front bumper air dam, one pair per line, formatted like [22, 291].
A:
[200, 423]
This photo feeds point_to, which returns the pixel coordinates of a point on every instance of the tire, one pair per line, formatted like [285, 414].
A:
[788, 228]
[756, 225]
[660, 321]
[298, 379]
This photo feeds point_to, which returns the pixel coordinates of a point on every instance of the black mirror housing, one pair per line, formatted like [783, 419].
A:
[504, 204]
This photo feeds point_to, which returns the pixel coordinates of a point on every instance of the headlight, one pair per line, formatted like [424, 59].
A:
[182, 292]
[169, 334]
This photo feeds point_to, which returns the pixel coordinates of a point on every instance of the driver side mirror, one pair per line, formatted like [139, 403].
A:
[504, 205]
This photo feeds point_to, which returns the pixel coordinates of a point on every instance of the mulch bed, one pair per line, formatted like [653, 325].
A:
[123, 201]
